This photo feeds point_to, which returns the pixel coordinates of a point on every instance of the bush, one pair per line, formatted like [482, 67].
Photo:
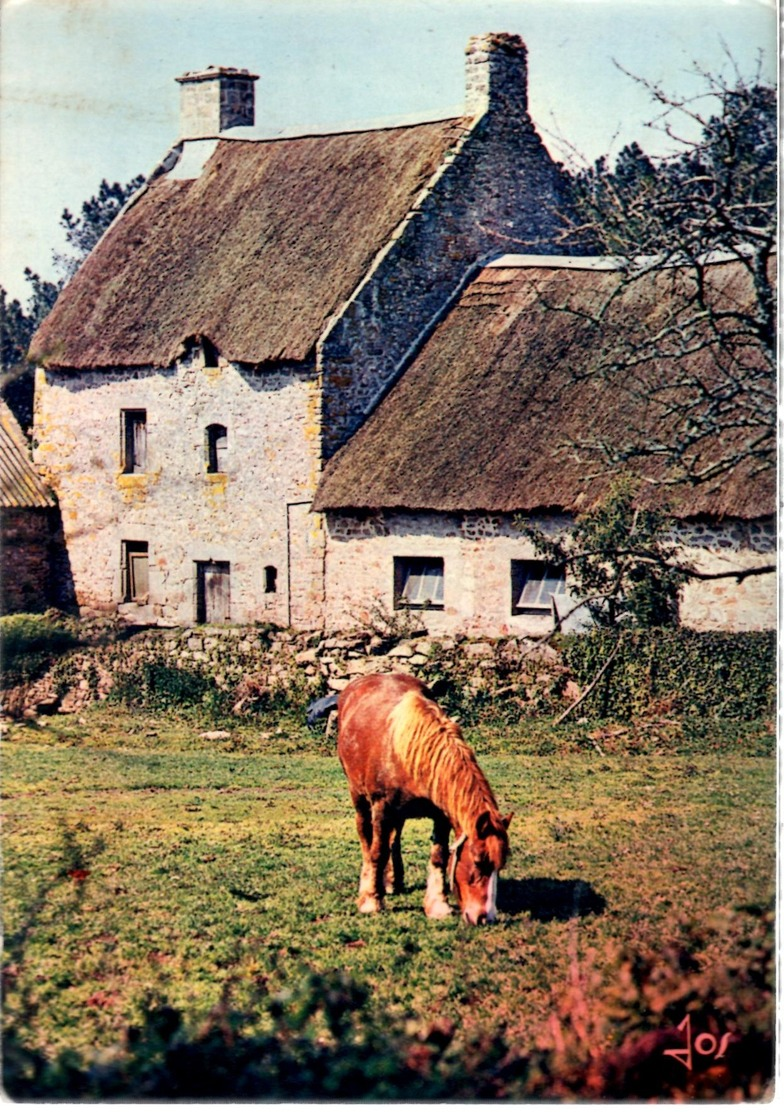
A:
[728, 675]
[29, 643]
[159, 685]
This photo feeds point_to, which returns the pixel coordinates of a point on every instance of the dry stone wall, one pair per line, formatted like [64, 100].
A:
[251, 664]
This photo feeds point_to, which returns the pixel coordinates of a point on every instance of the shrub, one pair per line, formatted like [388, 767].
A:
[729, 675]
[29, 643]
[158, 685]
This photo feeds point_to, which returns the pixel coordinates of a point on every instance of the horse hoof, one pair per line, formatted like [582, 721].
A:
[438, 910]
[368, 905]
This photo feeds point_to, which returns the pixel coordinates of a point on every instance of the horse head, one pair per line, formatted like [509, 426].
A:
[474, 863]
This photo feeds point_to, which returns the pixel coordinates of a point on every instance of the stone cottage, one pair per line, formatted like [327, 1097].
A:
[489, 424]
[297, 377]
[241, 318]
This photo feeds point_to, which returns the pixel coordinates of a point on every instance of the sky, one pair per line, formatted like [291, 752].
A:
[87, 87]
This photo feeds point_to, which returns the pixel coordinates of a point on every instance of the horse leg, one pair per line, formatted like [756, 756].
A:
[393, 875]
[366, 875]
[371, 896]
[436, 906]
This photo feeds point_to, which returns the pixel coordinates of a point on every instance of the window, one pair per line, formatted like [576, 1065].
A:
[419, 582]
[270, 580]
[216, 445]
[535, 586]
[133, 435]
[209, 351]
[212, 591]
[135, 571]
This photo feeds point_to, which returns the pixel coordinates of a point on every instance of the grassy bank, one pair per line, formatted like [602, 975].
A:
[150, 867]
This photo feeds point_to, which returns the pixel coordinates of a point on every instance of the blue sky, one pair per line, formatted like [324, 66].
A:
[87, 87]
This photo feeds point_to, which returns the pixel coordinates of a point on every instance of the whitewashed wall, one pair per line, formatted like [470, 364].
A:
[250, 515]
[478, 549]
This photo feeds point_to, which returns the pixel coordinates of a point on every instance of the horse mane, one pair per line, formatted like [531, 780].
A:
[434, 752]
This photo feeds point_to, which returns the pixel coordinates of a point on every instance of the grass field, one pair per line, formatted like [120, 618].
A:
[148, 867]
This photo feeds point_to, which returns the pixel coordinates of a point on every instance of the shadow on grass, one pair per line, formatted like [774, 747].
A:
[546, 899]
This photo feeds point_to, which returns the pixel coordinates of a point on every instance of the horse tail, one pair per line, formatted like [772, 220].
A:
[320, 708]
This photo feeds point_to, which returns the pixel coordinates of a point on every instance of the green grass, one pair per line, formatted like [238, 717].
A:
[145, 862]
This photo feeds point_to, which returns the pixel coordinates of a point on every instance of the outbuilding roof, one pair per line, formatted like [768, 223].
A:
[256, 252]
[491, 413]
[20, 484]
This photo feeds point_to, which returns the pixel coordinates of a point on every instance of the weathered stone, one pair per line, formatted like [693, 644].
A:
[306, 656]
[402, 650]
[336, 684]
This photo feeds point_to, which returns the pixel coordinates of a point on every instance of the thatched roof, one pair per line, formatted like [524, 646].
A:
[20, 484]
[256, 253]
[490, 413]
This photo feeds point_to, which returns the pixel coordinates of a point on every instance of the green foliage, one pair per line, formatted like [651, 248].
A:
[160, 685]
[29, 644]
[618, 560]
[729, 675]
[327, 1041]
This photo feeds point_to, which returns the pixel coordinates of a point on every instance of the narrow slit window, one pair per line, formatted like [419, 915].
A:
[419, 582]
[216, 446]
[135, 571]
[270, 580]
[535, 585]
[133, 435]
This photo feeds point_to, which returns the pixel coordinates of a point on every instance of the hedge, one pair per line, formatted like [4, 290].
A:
[727, 675]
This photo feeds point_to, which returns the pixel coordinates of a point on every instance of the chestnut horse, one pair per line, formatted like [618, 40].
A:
[404, 758]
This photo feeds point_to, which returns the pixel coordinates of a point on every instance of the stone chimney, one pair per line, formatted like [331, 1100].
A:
[214, 99]
[496, 74]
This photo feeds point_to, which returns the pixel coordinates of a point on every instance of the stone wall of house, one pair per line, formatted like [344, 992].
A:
[247, 515]
[499, 192]
[26, 537]
[725, 604]
[478, 551]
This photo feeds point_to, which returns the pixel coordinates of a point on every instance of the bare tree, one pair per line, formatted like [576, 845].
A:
[700, 358]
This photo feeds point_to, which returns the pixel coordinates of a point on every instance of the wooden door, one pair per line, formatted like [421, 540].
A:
[213, 593]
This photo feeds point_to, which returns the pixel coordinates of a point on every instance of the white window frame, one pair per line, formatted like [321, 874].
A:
[419, 582]
[535, 584]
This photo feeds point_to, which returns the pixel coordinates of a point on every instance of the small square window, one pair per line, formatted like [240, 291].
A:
[419, 582]
[133, 441]
[535, 585]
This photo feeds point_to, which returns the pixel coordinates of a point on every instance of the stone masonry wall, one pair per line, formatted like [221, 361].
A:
[253, 664]
[27, 536]
[499, 192]
[185, 514]
[477, 551]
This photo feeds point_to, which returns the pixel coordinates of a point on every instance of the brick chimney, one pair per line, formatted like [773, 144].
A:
[214, 99]
[496, 74]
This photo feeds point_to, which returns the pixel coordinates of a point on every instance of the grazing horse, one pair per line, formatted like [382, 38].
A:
[404, 758]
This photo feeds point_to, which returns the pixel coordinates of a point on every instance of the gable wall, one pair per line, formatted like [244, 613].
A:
[500, 191]
[185, 515]
[477, 550]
